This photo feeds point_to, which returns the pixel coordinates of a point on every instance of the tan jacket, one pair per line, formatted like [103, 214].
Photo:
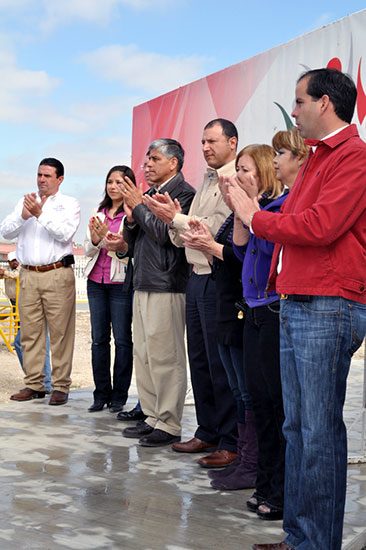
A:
[209, 208]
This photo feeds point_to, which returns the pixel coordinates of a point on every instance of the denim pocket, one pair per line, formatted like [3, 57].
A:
[358, 324]
[323, 305]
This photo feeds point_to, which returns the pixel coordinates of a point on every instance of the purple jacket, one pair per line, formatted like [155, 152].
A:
[256, 256]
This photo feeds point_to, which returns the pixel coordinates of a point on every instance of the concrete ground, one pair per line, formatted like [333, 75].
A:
[70, 481]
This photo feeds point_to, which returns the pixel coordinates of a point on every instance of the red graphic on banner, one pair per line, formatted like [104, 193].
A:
[361, 96]
[335, 63]
[182, 113]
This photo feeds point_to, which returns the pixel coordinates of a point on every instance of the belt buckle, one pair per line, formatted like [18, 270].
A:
[284, 296]
[37, 269]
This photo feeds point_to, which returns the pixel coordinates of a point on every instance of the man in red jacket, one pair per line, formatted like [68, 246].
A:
[319, 268]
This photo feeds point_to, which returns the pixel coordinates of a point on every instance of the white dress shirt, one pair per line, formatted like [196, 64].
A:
[48, 238]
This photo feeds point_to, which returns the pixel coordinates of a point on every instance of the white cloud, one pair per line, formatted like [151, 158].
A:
[107, 110]
[26, 81]
[81, 158]
[56, 12]
[152, 72]
[14, 4]
[19, 86]
[15, 182]
[87, 117]
[86, 165]
[26, 97]
[94, 156]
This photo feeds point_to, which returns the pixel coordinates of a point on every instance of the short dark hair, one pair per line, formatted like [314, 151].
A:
[107, 201]
[228, 128]
[170, 148]
[55, 163]
[338, 86]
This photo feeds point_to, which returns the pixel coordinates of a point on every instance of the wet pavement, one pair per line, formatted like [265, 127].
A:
[69, 480]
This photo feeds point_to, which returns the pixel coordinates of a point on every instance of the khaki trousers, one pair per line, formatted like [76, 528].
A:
[47, 299]
[160, 358]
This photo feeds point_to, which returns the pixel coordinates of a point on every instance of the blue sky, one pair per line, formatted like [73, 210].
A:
[72, 70]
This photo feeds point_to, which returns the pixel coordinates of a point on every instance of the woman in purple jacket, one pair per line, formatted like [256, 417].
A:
[263, 171]
[256, 175]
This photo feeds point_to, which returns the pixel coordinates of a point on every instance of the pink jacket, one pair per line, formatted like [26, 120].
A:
[322, 225]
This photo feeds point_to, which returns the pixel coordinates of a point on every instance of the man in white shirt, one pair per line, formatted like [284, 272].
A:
[45, 223]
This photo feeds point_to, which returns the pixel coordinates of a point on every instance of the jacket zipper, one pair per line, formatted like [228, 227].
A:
[255, 275]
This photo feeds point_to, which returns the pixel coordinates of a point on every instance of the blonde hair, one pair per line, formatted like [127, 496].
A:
[292, 141]
[263, 156]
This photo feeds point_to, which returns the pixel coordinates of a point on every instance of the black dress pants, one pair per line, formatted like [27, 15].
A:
[214, 401]
[262, 376]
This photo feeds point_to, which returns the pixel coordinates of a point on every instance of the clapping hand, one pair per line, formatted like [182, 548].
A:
[31, 207]
[132, 195]
[238, 199]
[115, 242]
[163, 207]
[98, 229]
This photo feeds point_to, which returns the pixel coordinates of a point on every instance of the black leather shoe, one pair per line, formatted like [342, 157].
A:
[158, 438]
[133, 415]
[96, 406]
[137, 431]
[115, 407]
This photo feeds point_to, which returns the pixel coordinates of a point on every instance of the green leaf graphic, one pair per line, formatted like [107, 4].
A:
[288, 121]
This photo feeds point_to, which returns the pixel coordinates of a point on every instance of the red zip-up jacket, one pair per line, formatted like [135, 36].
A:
[322, 224]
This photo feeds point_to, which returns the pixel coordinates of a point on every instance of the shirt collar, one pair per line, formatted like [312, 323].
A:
[313, 143]
[226, 170]
[51, 197]
[160, 187]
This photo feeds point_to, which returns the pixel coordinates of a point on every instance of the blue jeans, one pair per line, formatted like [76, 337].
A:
[47, 363]
[233, 361]
[318, 339]
[110, 305]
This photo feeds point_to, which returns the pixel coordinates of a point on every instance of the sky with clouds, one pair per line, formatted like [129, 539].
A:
[71, 72]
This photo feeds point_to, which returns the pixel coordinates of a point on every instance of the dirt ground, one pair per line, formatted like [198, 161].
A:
[11, 374]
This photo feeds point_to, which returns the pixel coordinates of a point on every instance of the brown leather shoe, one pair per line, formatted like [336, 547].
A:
[58, 398]
[219, 459]
[26, 394]
[276, 546]
[194, 445]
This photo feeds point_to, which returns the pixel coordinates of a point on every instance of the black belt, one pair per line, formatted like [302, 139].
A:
[297, 297]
